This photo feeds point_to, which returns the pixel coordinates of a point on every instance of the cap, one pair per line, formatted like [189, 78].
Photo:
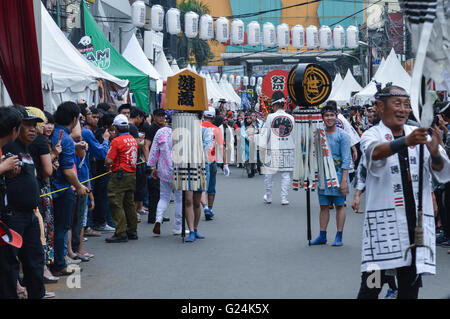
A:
[277, 97]
[29, 115]
[38, 113]
[159, 112]
[443, 108]
[120, 120]
[222, 101]
[9, 236]
[211, 112]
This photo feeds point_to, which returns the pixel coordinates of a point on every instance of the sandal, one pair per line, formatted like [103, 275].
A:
[87, 254]
[81, 257]
[49, 294]
[51, 279]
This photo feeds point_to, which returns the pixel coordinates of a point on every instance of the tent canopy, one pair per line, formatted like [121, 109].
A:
[66, 74]
[389, 71]
[134, 54]
[335, 84]
[163, 67]
[343, 93]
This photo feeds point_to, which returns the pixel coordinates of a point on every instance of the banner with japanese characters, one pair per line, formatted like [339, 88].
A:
[186, 91]
[275, 81]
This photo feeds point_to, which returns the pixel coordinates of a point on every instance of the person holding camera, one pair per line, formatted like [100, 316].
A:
[122, 159]
[20, 206]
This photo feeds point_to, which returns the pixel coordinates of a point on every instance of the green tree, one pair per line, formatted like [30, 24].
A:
[188, 48]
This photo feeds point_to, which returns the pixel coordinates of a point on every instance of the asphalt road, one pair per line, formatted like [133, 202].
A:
[251, 250]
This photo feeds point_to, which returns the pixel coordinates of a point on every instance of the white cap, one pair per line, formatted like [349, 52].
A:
[210, 113]
[120, 120]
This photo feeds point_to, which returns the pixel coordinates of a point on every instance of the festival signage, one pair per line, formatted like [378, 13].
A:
[186, 91]
[309, 85]
[275, 81]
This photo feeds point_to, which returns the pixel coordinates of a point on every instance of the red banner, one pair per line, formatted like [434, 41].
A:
[275, 80]
[19, 55]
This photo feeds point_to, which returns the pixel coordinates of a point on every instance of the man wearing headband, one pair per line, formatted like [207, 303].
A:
[392, 159]
[277, 137]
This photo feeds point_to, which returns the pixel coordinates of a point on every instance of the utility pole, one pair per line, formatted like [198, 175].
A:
[386, 29]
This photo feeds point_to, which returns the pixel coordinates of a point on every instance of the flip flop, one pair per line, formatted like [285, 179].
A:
[87, 254]
[81, 257]
[51, 280]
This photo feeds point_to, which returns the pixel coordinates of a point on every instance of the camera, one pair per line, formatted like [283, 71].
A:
[8, 155]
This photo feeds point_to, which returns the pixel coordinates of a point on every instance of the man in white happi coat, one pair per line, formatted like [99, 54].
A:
[277, 138]
[392, 160]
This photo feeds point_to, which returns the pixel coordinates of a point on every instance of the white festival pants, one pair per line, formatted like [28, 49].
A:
[164, 200]
[285, 184]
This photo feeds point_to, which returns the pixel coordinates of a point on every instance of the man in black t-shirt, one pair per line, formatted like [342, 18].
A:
[22, 196]
[159, 117]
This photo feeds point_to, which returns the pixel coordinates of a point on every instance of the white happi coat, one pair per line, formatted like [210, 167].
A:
[229, 146]
[348, 128]
[385, 235]
[277, 138]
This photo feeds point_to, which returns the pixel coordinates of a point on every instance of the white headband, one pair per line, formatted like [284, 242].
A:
[278, 101]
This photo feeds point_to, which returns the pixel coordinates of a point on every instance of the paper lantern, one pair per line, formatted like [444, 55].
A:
[173, 23]
[217, 77]
[269, 36]
[312, 37]
[253, 33]
[338, 37]
[237, 32]
[238, 80]
[231, 78]
[157, 18]
[298, 36]
[222, 30]
[138, 13]
[245, 80]
[258, 89]
[352, 37]
[191, 24]
[252, 81]
[283, 35]
[325, 37]
[206, 27]
[259, 81]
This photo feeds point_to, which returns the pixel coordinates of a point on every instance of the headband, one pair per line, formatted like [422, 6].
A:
[278, 101]
[380, 95]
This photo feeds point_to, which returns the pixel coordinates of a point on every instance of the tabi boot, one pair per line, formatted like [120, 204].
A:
[338, 239]
[321, 239]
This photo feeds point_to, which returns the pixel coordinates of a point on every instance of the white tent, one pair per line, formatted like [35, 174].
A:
[66, 74]
[343, 93]
[136, 56]
[162, 66]
[233, 93]
[212, 92]
[226, 92]
[389, 71]
[175, 67]
[335, 84]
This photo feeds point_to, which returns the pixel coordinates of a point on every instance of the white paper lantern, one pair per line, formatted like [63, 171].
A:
[312, 37]
[157, 18]
[237, 31]
[269, 37]
[245, 80]
[238, 80]
[338, 37]
[259, 81]
[138, 13]
[222, 30]
[217, 77]
[191, 24]
[325, 37]
[298, 36]
[258, 89]
[173, 23]
[231, 78]
[352, 37]
[253, 33]
[252, 81]
[206, 27]
[283, 35]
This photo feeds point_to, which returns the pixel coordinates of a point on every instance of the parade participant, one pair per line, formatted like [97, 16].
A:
[392, 155]
[228, 136]
[211, 164]
[66, 119]
[20, 215]
[278, 139]
[159, 117]
[258, 124]
[339, 142]
[121, 159]
[248, 144]
[160, 161]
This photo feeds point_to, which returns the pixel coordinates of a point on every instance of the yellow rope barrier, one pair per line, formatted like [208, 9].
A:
[91, 179]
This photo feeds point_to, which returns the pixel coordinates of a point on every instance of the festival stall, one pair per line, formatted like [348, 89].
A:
[343, 93]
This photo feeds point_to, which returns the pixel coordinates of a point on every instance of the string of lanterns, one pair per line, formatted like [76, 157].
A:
[272, 36]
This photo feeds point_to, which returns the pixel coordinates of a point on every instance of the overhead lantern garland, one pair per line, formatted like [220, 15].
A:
[222, 30]
[312, 37]
[157, 18]
[325, 40]
[298, 37]
[245, 80]
[352, 37]
[237, 32]
[173, 23]
[269, 36]
[206, 27]
[283, 36]
[138, 12]
[338, 37]
[252, 81]
[191, 24]
[254, 33]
